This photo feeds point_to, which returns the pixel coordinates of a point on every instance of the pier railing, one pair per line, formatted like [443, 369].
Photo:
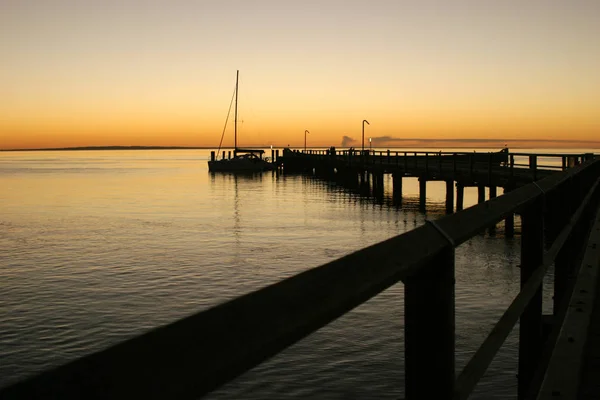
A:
[431, 160]
[197, 354]
[492, 168]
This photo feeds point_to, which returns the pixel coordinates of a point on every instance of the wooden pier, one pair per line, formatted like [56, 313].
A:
[560, 212]
[482, 170]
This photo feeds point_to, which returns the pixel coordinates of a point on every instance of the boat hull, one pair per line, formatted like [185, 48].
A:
[240, 165]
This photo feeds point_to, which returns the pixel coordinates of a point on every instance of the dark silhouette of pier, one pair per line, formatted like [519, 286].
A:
[558, 353]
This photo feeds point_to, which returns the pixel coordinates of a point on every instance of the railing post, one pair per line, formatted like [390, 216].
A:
[512, 165]
[471, 163]
[429, 330]
[426, 164]
[490, 165]
[533, 166]
[454, 166]
[530, 328]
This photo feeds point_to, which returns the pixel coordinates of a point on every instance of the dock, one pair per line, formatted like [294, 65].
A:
[559, 208]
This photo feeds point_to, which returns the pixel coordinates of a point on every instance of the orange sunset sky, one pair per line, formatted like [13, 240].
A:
[143, 72]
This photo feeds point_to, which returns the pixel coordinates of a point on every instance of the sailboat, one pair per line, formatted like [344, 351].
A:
[244, 160]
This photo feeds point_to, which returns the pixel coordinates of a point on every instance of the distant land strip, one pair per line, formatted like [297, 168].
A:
[119, 148]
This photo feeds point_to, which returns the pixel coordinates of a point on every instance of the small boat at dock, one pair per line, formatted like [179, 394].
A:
[244, 160]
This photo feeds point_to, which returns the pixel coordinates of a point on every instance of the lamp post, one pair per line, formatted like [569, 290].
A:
[370, 147]
[305, 132]
[363, 134]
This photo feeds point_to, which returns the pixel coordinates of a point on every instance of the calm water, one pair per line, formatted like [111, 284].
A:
[99, 246]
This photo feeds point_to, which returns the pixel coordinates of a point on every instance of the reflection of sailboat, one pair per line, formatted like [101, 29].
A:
[244, 160]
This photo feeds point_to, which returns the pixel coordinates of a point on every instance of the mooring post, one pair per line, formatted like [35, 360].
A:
[422, 192]
[229, 154]
[429, 330]
[449, 197]
[530, 327]
[223, 155]
[276, 155]
[212, 155]
[460, 195]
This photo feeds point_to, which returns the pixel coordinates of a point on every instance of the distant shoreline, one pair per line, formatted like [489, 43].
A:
[83, 148]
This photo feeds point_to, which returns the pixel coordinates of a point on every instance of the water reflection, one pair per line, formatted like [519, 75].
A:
[366, 193]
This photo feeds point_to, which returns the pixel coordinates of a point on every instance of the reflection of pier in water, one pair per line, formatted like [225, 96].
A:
[368, 192]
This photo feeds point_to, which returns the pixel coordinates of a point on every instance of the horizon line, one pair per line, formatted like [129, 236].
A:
[107, 148]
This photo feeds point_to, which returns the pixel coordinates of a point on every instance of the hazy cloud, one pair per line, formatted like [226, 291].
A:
[381, 141]
[347, 141]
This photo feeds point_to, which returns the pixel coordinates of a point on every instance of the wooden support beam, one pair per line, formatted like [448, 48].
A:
[422, 193]
[509, 221]
[397, 188]
[429, 338]
[480, 194]
[449, 197]
[530, 328]
[460, 195]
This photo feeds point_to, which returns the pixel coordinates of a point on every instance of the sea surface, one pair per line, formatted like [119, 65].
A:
[99, 246]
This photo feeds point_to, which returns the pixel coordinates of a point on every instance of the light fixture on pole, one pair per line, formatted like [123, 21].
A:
[363, 134]
[305, 132]
[370, 147]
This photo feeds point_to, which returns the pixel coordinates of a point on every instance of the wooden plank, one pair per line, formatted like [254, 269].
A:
[562, 378]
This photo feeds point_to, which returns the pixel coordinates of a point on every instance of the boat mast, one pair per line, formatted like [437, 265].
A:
[237, 75]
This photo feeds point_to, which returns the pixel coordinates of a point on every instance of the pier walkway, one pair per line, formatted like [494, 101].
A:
[560, 231]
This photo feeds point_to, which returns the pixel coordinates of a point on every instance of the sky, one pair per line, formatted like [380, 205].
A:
[162, 73]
